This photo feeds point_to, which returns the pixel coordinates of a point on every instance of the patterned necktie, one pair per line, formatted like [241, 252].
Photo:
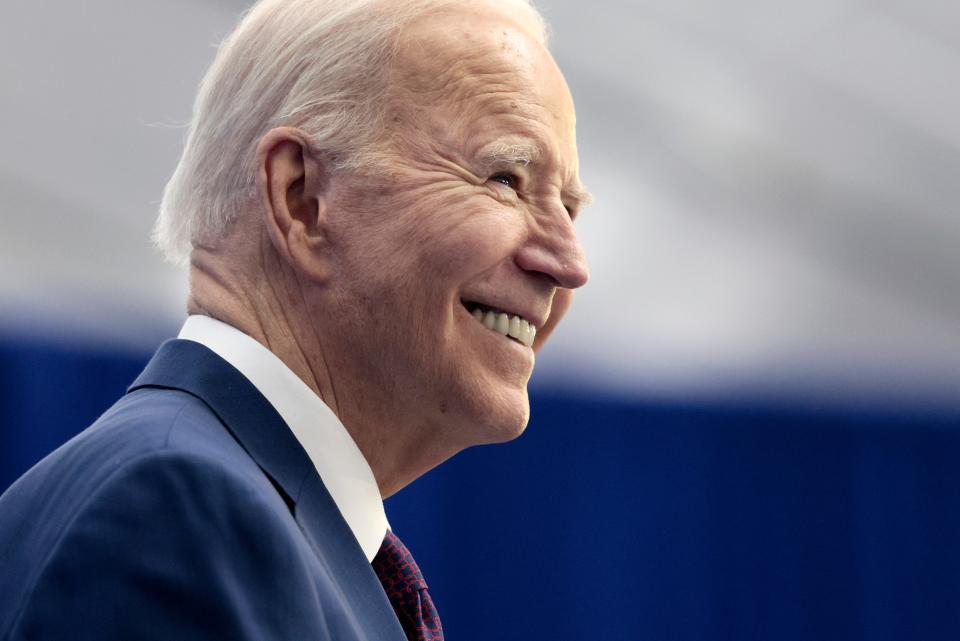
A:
[407, 590]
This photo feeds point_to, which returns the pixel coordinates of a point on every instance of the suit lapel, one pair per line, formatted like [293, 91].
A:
[256, 425]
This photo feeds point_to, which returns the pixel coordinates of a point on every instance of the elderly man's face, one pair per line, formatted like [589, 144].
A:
[474, 211]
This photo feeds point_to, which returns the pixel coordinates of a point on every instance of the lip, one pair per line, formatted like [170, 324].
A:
[511, 308]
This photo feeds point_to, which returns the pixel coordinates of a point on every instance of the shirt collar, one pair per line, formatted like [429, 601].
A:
[339, 462]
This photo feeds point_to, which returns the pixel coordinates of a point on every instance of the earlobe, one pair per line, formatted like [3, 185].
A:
[293, 186]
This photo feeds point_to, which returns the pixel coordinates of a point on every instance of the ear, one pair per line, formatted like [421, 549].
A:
[293, 183]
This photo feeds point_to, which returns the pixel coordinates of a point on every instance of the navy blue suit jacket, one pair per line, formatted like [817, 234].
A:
[187, 511]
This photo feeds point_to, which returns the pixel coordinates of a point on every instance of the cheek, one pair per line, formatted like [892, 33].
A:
[462, 230]
[431, 228]
[469, 249]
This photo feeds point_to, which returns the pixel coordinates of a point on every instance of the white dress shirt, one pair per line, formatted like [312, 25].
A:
[342, 467]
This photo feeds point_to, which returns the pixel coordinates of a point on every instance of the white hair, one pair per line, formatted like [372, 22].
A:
[319, 65]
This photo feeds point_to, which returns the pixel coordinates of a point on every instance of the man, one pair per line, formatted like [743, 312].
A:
[376, 199]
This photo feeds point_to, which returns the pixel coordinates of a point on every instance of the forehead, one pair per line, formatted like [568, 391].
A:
[471, 37]
[475, 74]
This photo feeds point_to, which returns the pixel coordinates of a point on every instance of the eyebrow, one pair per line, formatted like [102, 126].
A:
[505, 155]
[579, 195]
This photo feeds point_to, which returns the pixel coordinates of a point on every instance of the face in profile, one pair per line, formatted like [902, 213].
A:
[456, 244]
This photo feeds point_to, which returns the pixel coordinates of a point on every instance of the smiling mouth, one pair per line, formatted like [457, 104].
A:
[503, 323]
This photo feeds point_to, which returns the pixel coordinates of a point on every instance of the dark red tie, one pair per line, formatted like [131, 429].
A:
[407, 590]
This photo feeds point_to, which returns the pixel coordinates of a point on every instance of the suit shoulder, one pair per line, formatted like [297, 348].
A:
[147, 437]
[158, 448]
[153, 418]
[170, 532]
[144, 423]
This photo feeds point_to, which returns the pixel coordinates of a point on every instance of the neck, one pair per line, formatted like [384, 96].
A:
[274, 312]
[221, 292]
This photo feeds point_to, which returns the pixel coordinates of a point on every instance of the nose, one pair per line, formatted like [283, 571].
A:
[553, 249]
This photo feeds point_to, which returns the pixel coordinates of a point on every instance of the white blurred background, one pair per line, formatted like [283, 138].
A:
[777, 189]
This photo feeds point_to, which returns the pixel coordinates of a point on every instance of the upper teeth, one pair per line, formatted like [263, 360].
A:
[514, 326]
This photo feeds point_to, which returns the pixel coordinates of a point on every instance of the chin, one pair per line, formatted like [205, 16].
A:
[504, 418]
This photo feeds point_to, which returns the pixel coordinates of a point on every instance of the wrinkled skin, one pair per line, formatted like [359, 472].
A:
[369, 269]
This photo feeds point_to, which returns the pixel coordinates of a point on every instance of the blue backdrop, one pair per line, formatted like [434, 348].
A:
[616, 520]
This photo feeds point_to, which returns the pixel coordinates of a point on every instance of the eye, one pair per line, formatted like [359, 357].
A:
[510, 180]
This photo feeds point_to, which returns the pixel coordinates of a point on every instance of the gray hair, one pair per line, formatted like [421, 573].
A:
[319, 65]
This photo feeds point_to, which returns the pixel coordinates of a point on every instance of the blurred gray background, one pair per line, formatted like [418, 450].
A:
[777, 189]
